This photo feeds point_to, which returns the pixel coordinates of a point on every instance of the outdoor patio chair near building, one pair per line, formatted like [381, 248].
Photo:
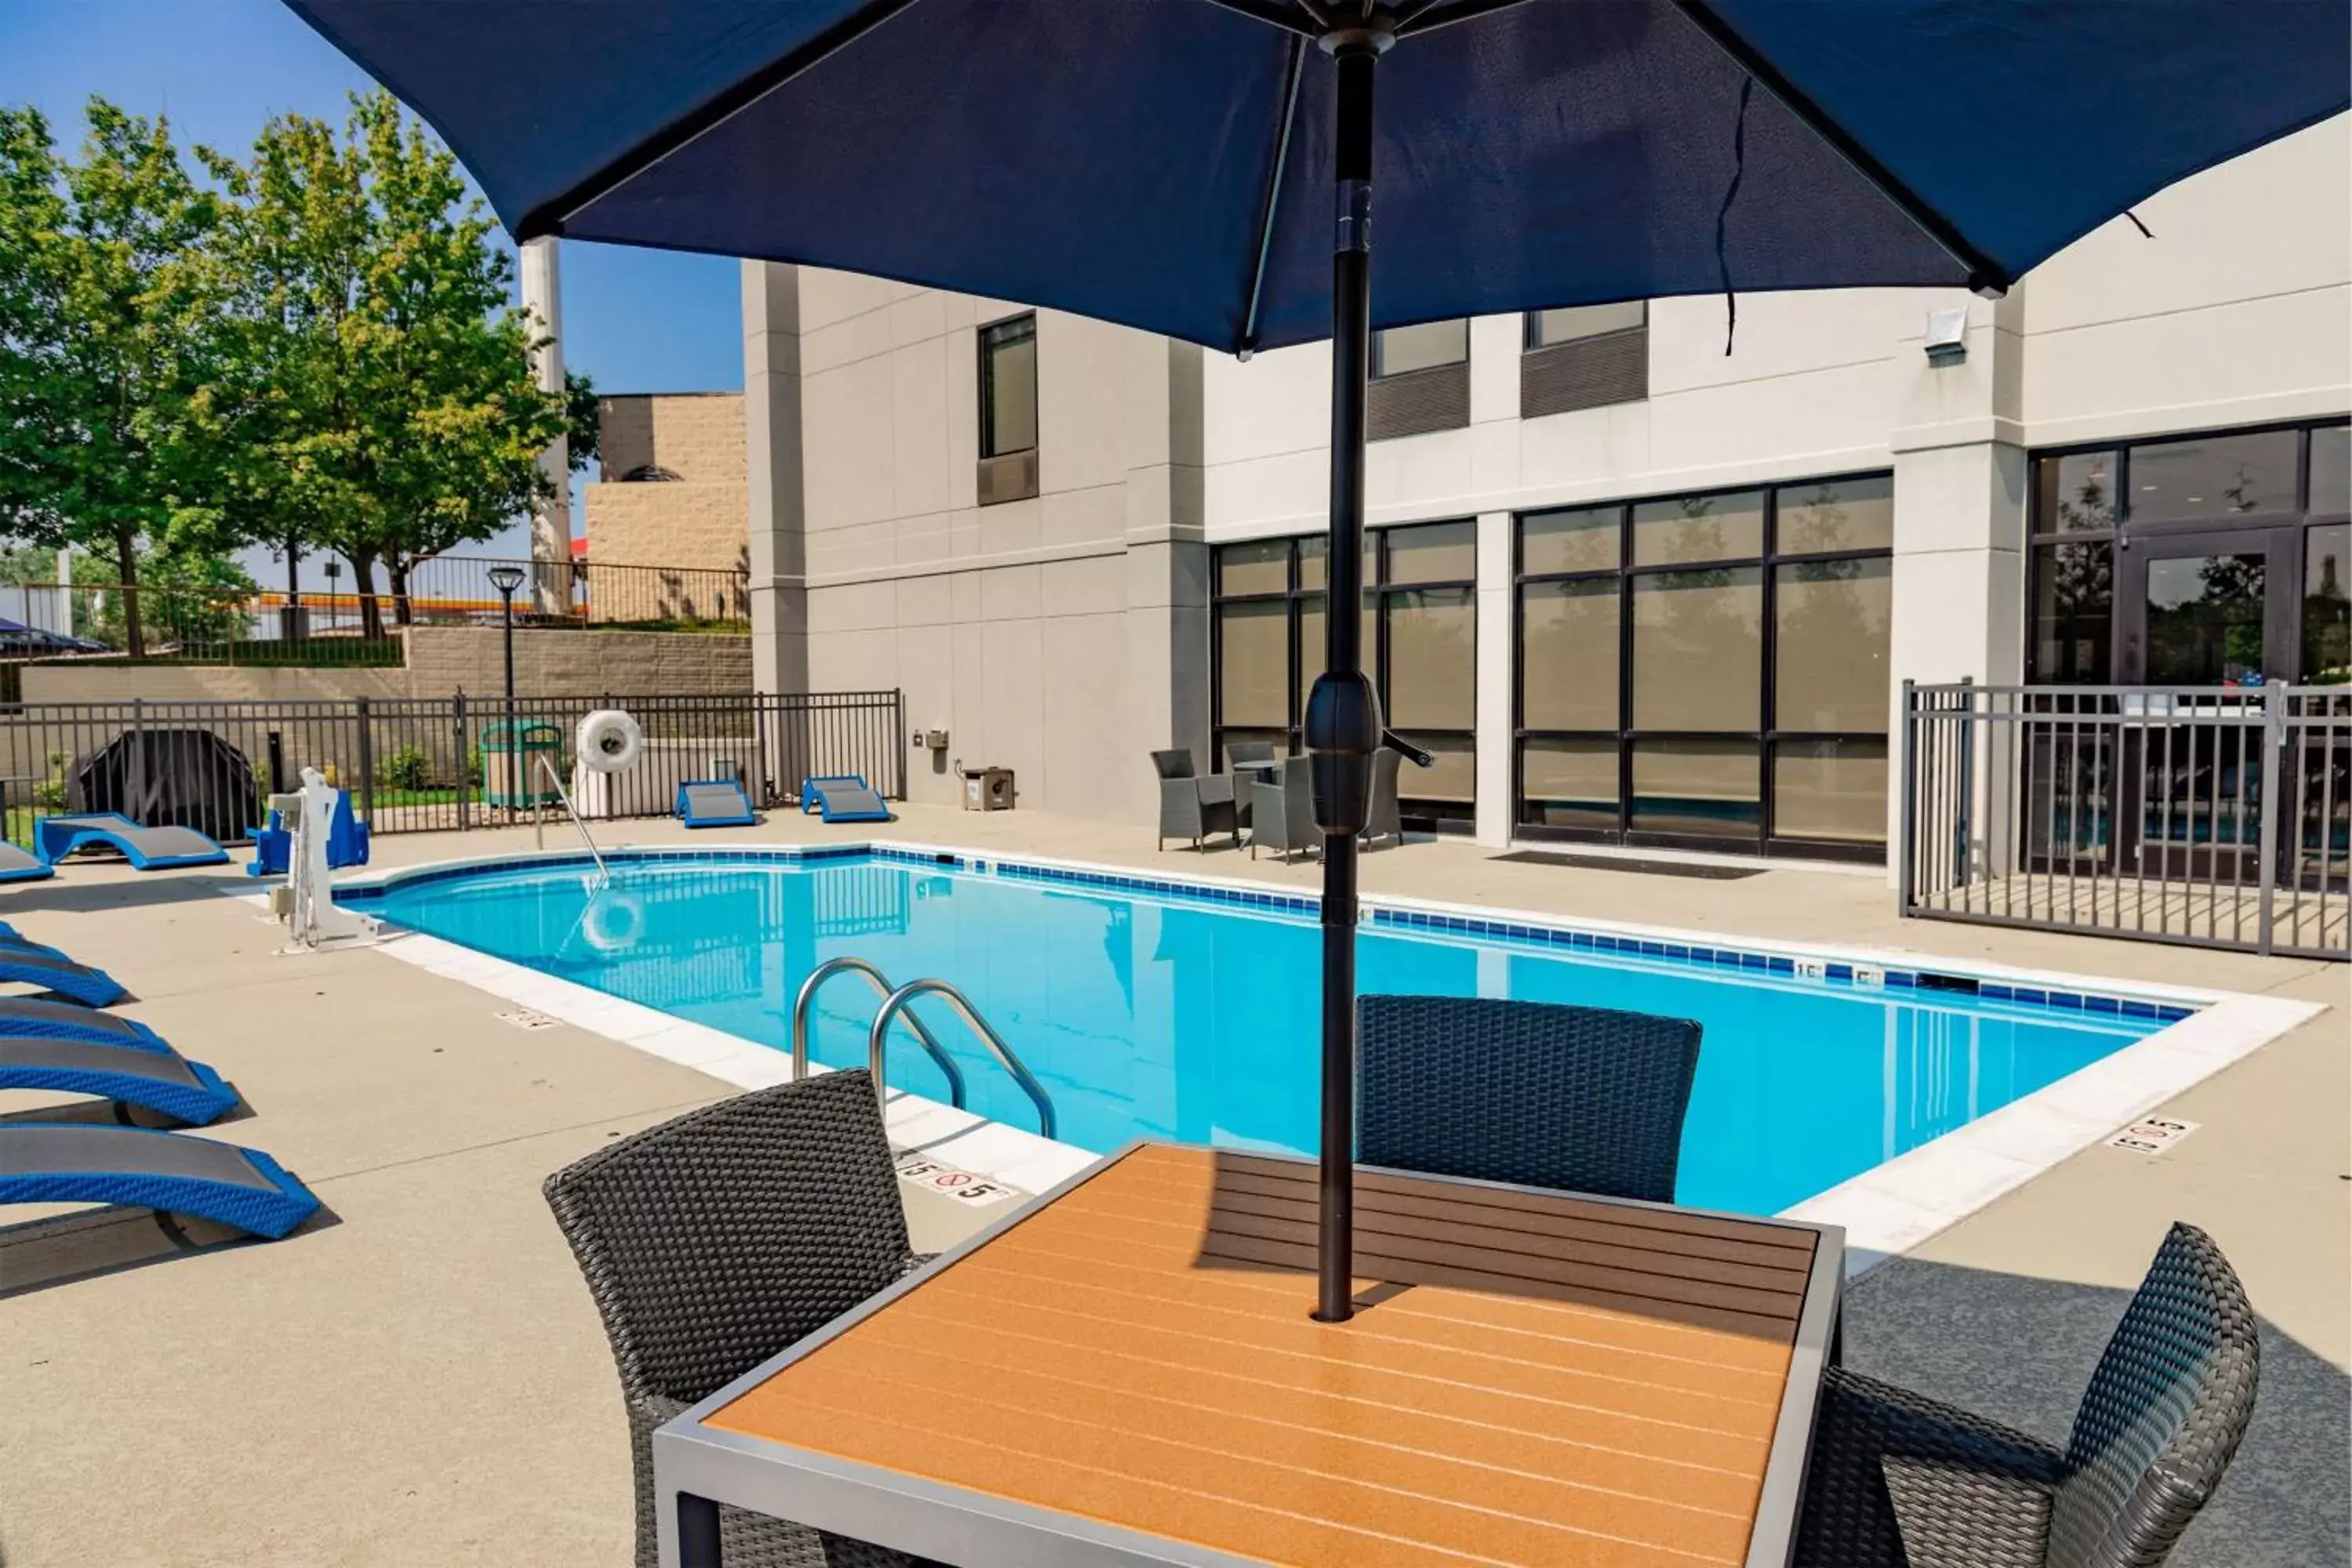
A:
[1192, 806]
[1282, 813]
[717, 1240]
[1585, 1099]
[1239, 754]
[1384, 821]
[1898, 1479]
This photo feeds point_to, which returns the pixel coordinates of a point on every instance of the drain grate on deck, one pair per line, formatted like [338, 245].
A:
[1695, 869]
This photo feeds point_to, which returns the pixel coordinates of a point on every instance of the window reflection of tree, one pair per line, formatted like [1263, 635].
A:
[1831, 637]
[2218, 634]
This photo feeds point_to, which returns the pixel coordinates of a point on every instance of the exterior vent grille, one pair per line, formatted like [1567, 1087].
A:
[1012, 476]
[1585, 373]
[1418, 402]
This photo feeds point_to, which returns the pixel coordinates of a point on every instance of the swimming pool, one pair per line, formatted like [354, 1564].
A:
[1150, 1009]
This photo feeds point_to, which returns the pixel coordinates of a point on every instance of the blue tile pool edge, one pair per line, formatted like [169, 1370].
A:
[1885, 1212]
[1838, 968]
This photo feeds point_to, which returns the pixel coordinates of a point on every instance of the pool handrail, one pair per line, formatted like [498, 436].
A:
[884, 988]
[898, 1002]
[604, 872]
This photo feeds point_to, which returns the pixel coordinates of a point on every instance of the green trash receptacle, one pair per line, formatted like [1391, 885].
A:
[510, 775]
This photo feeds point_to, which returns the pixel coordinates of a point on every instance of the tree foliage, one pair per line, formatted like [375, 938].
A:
[392, 413]
[109, 419]
[314, 348]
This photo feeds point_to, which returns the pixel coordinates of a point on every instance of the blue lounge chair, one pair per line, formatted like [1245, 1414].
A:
[843, 798]
[16, 866]
[77, 1163]
[38, 1019]
[150, 1074]
[347, 841]
[53, 971]
[714, 803]
[147, 848]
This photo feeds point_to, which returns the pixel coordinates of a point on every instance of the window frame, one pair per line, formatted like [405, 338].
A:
[2039, 538]
[987, 368]
[1531, 324]
[1767, 738]
[1420, 812]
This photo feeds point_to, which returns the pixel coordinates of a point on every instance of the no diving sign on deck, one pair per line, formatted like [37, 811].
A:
[964, 1186]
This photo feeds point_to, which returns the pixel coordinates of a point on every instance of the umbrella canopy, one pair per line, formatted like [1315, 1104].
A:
[1204, 169]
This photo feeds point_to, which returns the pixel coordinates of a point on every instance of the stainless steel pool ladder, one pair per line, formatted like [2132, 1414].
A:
[896, 1004]
[538, 835]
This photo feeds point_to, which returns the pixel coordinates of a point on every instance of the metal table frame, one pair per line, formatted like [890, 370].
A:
[697, 1467]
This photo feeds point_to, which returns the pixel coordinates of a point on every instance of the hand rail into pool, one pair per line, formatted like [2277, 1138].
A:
[806, 1001]
[897, 1002]
[604, 872]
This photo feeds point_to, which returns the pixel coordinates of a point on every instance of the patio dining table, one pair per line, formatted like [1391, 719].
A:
[1125, 1372]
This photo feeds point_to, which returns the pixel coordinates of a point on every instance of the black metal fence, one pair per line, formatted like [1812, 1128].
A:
[354, 622]
[426, 765]
[2220, 816]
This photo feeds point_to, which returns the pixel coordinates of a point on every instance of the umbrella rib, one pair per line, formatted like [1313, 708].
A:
[1274, 13]
[1273, 191]
[550, 217]
[1417, 16]
[1985, 275]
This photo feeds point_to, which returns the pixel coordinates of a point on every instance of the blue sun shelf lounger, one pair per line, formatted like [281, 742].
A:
[147, 848]
[54, 971]
[714, 803]
[16, 866]
[38, 1019]
[150, 1075]
[843, 798]
[76, 1162]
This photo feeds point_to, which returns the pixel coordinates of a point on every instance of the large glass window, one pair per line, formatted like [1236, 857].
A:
[1710, 668]
[1008, 387]
[1421, 635]
[2202, 613]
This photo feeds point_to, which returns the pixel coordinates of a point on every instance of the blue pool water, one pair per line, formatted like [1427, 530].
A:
[1176, 1017]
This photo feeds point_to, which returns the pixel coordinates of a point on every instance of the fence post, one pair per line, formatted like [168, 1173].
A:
[367, 765]
[136, 806]
[1964, 794]
[897, 733]
[1909, 818]
[2274, 764]
[465, 760]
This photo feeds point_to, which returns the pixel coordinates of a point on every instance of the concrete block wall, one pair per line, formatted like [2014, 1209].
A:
[443, 659]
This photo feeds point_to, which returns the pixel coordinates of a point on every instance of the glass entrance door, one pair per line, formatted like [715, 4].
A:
[2208, 615]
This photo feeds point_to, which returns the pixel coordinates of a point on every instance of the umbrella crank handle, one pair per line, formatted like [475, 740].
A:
[1412, 753]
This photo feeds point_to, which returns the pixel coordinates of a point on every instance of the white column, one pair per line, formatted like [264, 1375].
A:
[551, 518]
[1496, 766]
[777, 506]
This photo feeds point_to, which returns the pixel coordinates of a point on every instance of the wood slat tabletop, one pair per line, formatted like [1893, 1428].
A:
[1532, 1378]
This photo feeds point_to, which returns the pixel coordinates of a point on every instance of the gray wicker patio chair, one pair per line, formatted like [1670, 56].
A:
[1190, 806]
[1383, 820]
[1583, 1098]
[1282, 814]
[1898, 1480]
[1240, 753]
[714, 1241]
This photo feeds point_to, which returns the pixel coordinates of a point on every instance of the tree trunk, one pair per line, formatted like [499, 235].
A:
[370, 607]
[126, 561]
[396, 568]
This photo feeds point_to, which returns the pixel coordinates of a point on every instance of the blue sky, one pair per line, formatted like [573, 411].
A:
[638, 320]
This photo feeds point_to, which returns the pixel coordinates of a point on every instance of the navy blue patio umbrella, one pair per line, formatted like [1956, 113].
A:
[1204, 169]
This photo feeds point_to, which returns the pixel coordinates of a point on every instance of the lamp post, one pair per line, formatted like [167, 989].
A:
[506, 580]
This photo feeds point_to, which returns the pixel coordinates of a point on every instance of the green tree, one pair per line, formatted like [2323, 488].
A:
[388, 396]
[108, 437]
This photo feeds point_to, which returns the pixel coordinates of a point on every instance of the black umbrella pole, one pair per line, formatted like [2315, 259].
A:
[1343, 713]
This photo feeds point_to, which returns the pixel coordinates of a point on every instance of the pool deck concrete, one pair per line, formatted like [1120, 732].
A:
[422, 1378]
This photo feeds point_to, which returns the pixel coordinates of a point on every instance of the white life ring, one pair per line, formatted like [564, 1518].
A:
[614, 921]
[609, 742]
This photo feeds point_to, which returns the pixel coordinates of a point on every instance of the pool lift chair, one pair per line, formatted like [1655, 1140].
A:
[305, 901]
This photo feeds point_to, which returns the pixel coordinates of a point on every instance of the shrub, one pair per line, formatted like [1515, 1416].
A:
[406, 769]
